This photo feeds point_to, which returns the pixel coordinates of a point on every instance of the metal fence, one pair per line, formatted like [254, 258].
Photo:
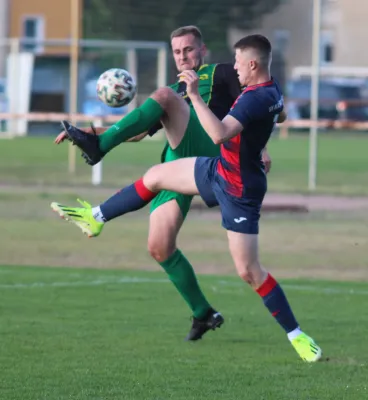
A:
[45, 81]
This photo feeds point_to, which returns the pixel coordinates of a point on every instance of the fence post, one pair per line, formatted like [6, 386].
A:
[97, 168]
[73, 90]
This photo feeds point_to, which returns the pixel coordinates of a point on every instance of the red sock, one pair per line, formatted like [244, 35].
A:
[144, 193]
[275, 300]
[131, 198]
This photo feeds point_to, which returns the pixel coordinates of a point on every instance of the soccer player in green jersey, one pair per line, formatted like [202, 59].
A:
[218, 87]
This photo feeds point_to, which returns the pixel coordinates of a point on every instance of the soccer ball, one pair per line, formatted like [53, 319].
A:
[116, 87]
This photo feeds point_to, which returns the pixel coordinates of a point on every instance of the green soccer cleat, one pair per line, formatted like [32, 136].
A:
[307, 349]
[80, 216]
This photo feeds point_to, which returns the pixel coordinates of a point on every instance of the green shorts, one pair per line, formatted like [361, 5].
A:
[195, 143]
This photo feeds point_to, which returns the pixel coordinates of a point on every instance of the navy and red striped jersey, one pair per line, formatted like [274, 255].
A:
[240, 167]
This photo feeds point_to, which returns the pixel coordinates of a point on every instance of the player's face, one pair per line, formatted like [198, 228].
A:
[188, 52]
[245, 66]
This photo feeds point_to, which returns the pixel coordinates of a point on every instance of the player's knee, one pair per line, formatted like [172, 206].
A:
[151, 178]
[164, 96]
[160, 251]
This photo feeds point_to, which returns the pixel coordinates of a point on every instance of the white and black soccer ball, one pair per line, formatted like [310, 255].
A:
[116, 87]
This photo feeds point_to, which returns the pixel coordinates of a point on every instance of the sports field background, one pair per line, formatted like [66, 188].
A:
[341, 163]
[110, 326]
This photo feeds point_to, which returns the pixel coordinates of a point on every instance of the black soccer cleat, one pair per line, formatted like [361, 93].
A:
[212, 321]
[87, 142]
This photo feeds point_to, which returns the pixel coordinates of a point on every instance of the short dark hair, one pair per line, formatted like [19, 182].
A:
[187, 30]
[259, 43]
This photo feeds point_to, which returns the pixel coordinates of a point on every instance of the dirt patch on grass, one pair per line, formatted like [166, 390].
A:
[273, 201]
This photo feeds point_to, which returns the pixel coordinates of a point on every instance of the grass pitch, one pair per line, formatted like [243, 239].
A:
[92, 334]
[72, 333]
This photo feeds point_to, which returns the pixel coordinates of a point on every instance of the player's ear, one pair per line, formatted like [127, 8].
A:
[203, 50]
[253, 64]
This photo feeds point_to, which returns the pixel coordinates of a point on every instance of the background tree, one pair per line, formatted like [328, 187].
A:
[155, 19]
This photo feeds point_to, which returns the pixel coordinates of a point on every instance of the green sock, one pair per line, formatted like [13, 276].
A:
[182, 275]
[138, 121]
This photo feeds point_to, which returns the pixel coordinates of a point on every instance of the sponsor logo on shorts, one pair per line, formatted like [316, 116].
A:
[239, 220]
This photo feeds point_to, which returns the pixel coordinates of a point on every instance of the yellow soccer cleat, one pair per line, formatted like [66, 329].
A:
[307, 349]
[80, 216]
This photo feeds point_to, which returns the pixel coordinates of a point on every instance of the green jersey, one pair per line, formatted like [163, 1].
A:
[219, 88]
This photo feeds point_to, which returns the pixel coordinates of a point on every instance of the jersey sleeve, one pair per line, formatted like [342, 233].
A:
[247, 108]
[226, 74]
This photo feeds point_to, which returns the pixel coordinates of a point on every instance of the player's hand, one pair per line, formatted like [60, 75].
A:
[63, 136]
[282, 117]
[191, 78]
[266, 160]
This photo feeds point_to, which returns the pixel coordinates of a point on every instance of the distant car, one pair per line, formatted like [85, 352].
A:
[338, 100]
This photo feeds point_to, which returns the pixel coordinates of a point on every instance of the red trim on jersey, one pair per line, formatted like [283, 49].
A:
[253, 87]
[250, 88]
[236, 100]
[144, 193]
[231, 154]
[267, 286]
[232, 176]
[226, 175]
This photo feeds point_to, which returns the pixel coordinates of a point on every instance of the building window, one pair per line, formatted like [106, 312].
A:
[327, 47]
[328, 53]
[33, 28]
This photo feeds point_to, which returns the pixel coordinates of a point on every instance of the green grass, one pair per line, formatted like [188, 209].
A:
[92, 334]
[341, 163]
[36, 160]
[318, 244]
[69, 333]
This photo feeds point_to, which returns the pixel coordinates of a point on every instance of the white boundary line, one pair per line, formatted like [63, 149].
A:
[134, 280]
[97, 282]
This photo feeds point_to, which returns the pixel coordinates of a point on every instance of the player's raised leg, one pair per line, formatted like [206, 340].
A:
[165, 223]
[164, 103]
[80, 216]
[244, 251]
[177, 176]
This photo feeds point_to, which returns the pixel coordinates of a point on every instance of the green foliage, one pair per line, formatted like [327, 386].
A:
[155, 19]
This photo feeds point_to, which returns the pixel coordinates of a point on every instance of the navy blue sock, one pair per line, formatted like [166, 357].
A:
[129, 199]
[275, 300]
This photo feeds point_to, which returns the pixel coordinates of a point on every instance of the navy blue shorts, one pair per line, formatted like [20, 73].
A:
[238, 214]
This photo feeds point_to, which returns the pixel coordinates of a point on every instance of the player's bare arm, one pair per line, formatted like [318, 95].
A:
[138, 138]
[267, 161]
[63, 135]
